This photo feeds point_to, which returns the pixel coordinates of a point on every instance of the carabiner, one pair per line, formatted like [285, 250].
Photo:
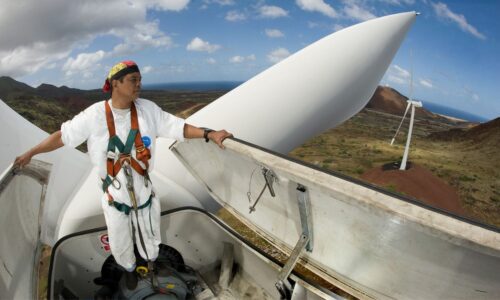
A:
[118, 185]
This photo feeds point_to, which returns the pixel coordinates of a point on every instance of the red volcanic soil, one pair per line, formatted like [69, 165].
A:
[419, 183]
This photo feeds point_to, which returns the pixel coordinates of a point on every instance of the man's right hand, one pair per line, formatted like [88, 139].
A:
[52, 142]
[23, 160]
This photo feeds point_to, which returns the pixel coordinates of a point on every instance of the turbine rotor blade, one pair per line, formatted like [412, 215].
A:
[401, 123]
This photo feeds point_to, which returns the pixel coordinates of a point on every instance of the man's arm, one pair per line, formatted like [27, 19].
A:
[52, 142]
[218, 137]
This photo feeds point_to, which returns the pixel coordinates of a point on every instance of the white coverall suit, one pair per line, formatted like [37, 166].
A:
[90, 125]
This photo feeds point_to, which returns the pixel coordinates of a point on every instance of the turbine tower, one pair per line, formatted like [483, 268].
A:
[412, 104]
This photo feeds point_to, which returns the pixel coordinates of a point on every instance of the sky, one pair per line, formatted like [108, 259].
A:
[452, 50]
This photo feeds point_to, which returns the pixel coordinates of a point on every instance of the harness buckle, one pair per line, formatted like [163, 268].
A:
[110, 199]
[124, 158]
[111, 155]
[140, 148]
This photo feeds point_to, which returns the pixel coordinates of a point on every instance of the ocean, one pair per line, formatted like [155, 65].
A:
[197, 86]
[200, 86]
[452, 112]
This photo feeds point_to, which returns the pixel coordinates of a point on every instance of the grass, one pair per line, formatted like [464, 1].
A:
[363, 142]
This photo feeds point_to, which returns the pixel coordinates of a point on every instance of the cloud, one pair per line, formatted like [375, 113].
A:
[426, 82]
[274, 33]
[147, 69]
[396, 79]
[211, 61]
[272, 12]
[398, 75]
[443, 12]
[83, 63]
[237, 59]
[317, 6]
[240, 59]
[354, 11]
[278, 55]
[174, 5]
[27, 60]
[50, 32]
[198, 44]
[399, 2]
[400, 72]
[337, 27]
[220, 2]
[468, 92]
[140, 37]
[312, 24]
[234, 16]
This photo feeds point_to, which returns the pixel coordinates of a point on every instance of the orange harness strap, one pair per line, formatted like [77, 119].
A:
[142, 153]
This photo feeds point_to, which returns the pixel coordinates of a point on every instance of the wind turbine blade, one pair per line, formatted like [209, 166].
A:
[401, 123]
[313, 90]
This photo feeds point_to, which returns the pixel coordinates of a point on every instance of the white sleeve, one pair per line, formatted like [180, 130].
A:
[168, 125]
[77, 130]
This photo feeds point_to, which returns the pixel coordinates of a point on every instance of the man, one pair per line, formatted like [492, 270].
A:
[120, 134]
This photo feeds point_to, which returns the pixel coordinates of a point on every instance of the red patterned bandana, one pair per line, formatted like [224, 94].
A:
[118, 71]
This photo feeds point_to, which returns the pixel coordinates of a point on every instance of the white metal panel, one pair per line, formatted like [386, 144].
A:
[378, 244]
[21, 198]
[69, 166]
[77, 260]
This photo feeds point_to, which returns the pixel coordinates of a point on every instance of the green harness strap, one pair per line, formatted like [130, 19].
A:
[115, 142]
[126, 209]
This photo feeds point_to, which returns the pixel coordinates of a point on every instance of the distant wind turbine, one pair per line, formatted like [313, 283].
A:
[412, 104]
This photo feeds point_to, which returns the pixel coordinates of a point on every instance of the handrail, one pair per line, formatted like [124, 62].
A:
[36, 169]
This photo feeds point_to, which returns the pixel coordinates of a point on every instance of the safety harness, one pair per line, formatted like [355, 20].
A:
[115, 162]
[125, 161]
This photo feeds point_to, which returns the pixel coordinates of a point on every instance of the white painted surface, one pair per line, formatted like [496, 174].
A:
[314, 89]
[380, 245]
[69, 166]
[21, 198]
[196, 236]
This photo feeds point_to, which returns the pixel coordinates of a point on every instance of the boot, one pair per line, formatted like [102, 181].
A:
[130, 280]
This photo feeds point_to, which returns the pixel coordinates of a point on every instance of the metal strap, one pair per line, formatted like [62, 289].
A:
[305, 215]
[282, 284]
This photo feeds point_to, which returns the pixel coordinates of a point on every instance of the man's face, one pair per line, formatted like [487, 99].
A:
[129, 87]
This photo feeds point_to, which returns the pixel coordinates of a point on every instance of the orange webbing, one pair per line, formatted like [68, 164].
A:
[133, 163]
[110, 120]
[112, 132]
[142, 153]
